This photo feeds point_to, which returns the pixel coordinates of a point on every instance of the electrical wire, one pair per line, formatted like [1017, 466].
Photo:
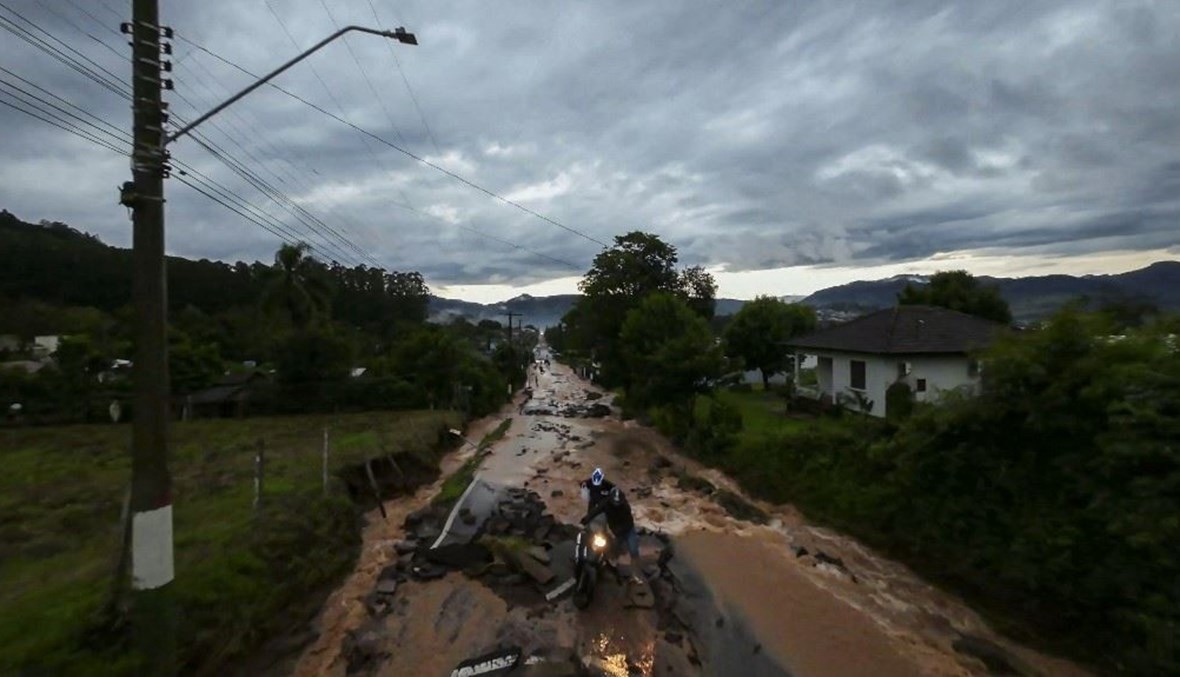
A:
[409, 89]
[394, 146]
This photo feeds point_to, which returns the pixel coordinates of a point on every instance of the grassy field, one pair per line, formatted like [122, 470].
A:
[764, 412]
[238, 570]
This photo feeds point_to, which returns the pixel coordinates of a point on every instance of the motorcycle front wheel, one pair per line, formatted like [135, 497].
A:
[584, 589]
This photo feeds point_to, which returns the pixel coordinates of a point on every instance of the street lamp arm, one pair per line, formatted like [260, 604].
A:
[398, 34]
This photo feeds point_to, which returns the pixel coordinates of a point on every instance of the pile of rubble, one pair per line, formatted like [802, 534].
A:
[565, 409]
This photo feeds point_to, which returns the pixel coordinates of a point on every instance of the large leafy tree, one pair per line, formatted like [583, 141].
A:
[669, 352]
[959, 290]
[637, 265]
[297, 286]
[758, 331]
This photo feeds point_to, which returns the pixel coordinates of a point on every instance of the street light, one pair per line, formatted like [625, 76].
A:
[152, 573]
[400, 34]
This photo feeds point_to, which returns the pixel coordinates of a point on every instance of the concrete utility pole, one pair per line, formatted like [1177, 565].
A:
[153, 608]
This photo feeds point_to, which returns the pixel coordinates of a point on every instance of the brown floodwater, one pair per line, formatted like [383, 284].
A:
[872, 617]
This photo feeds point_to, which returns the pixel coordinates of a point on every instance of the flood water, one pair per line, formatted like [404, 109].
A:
[759, 608]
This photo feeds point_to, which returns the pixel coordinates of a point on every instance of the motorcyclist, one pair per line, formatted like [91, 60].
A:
[596, 489]
[619, 519]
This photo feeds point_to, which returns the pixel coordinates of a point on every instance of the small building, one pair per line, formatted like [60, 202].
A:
[927, 347]
[26, 366]
[228, 398]
[44, 346]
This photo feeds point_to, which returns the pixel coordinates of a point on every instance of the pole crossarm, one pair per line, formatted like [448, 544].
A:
[398, 34]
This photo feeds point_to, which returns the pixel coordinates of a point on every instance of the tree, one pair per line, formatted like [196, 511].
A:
[297, 286]
[192, 365]
[638, 265]
[758, 331]
[669, 352]
[961, 291]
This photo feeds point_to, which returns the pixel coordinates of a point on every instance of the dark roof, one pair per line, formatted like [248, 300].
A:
[217, 395]
[241, 377]
[905, 330]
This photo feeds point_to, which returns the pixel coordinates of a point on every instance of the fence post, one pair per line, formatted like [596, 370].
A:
[325, 462]
[259, 463]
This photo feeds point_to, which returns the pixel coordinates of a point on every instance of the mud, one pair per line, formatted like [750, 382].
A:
[751, 589]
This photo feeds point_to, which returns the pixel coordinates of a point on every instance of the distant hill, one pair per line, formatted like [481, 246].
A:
[1030, 298]
[539, 311]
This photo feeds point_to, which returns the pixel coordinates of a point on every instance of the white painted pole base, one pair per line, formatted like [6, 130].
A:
[151, 549]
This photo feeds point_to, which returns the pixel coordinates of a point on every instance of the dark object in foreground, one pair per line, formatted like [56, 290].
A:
[499, 662]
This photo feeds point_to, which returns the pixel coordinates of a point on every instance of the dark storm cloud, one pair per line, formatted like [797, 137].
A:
[750, 135]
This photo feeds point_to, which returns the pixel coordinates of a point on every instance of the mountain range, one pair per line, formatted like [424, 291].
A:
[1030, 298]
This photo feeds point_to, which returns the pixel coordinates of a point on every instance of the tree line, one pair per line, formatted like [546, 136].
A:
[308, 321]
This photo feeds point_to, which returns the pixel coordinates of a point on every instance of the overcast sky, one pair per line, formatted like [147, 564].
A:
[785, 145]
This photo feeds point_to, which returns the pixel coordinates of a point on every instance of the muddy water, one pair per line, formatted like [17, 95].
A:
[868, 616]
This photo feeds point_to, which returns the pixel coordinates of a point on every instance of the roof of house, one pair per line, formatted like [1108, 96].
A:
[217, 395]
[905, 330]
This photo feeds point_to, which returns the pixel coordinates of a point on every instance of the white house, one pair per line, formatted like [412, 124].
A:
[927, 347]
[44, 346]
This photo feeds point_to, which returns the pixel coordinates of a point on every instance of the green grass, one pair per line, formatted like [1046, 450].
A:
[764, 412]
[455, 484]
[239, 572]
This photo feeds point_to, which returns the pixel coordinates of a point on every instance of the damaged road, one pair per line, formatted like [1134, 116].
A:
[731, 586]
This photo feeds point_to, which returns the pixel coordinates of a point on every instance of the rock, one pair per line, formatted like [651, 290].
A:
[999, 661]
[389, 573]
[464, 511]
[720, 622]
[556, 493]
[538, 553]
[641, 596]
[800, 551]
[651, 571]
[405, 547]
[498, 568]
[643, 492]
[468, 519]
[660, 463]
[415, 518]
[427, 571]
[376, 604]
[387, 586]
[513, 579]
[540, 534]
[535, 570]
[673, 637]
[740, 508]
[459, 555]
[825, 558]
[361, 649]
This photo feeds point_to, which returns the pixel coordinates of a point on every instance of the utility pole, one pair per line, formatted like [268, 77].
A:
[153, 614]
[510, 315]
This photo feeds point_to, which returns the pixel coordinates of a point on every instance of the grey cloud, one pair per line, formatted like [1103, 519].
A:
[750, 135]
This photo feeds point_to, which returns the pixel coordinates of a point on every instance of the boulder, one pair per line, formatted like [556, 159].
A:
[535, 570]
[556, 493]
[386, 586]
[538, 553]
[999, 661]
[405, 547]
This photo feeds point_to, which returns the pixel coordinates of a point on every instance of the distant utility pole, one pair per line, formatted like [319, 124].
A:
[510, 316]
[153, 608]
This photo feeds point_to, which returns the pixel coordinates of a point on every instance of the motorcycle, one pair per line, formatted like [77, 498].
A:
[591, 549]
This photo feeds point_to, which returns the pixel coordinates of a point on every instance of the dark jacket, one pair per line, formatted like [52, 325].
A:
[617, 510]
[598, 493]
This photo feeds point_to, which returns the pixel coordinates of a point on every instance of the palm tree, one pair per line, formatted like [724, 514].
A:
[297, 285]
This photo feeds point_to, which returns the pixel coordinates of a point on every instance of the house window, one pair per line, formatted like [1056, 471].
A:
[921, 385]
[857, 375]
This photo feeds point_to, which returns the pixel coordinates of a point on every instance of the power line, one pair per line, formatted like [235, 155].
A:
[120, 137]
[409, 89]
[364, 74]
[112, 83]
[323, 83]
[399, 149]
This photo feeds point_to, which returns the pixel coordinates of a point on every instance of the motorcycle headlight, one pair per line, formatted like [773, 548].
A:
[599, 541]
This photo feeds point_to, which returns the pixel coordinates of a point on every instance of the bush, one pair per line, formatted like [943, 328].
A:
[899, 402]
